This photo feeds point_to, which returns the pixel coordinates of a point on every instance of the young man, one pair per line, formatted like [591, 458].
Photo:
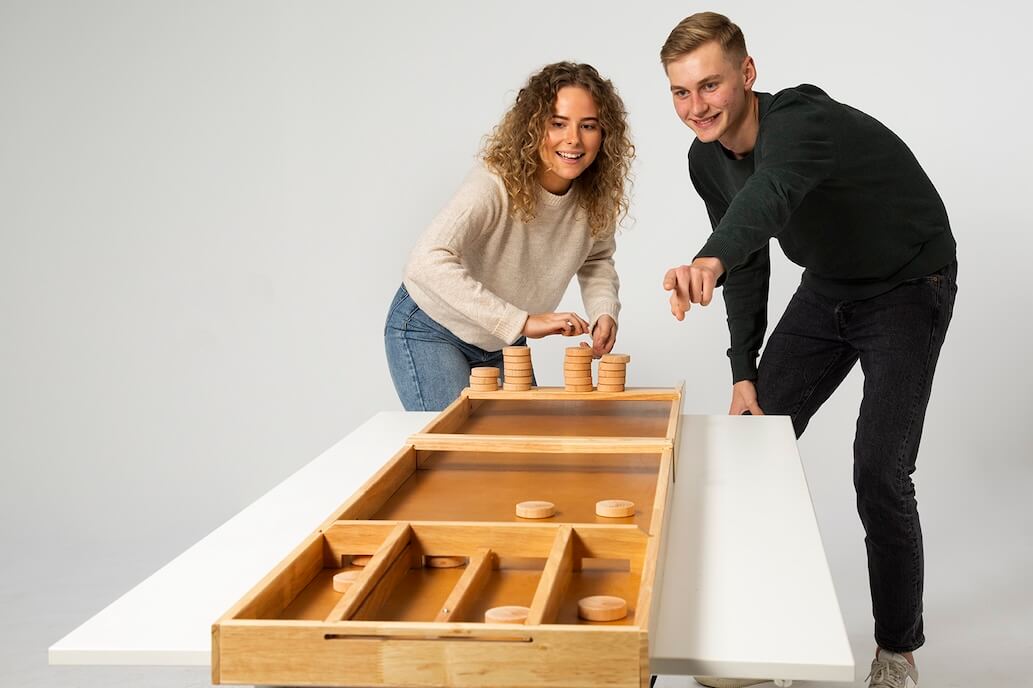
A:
[848, 201]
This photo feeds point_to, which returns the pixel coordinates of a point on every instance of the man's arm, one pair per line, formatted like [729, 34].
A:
[795, 153]
[746, 306]
[745, 293]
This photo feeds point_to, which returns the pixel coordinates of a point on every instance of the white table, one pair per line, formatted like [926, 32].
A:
[746, 590]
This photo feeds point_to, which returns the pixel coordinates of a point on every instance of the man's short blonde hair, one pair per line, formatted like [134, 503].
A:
[700, 28]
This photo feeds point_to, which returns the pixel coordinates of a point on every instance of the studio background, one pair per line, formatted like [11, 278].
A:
[205, 208]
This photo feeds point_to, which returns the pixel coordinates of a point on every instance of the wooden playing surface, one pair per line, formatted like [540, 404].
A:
[451, 491]
[468, 486]
[575, 417]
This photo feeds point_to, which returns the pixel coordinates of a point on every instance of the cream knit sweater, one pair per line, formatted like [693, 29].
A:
[479, 271]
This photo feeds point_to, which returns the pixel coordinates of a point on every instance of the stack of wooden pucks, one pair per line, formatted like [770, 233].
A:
[613, 369]
[516, 363]
[484, 379]
[577, 369]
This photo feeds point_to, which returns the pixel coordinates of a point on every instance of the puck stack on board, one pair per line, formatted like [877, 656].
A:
[484, 379]
[577, 369]
[516, 362]
[613, 370]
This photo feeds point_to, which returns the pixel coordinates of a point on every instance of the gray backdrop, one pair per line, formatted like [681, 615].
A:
[204, 212]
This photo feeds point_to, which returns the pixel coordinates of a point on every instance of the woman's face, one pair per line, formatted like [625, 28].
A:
[572, 139]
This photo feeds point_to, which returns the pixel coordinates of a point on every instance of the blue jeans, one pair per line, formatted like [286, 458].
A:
[429, 365]
[897, 337]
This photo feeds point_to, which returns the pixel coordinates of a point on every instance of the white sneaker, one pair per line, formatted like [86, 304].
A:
[715, 682]
[890, 670]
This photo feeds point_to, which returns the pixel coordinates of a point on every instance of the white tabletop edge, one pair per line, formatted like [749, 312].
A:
[225, 564]
[746, 583]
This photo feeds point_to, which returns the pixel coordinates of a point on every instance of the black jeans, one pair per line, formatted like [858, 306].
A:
[897, 338]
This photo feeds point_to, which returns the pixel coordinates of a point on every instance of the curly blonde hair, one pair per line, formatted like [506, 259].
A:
[512, 149]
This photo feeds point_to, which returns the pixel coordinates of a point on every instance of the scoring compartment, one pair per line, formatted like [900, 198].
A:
[450, 573]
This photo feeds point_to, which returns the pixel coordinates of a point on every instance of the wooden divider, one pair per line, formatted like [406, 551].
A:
[478, 569]
[539, 444]
[386, 585]
[554, 579]
[391, 550]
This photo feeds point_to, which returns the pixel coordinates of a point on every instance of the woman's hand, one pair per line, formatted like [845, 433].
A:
[604, 335]
[543, 324]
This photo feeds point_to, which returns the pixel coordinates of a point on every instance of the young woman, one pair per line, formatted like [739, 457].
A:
[541, 206]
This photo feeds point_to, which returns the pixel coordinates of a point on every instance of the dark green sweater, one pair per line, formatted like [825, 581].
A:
[844, 196]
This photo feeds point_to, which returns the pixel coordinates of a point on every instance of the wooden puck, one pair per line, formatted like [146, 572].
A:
[513, 387]
[516, 350]
[615, 508]
[616, 358]
[612, 374]
[361, 559]
[602, 608]
[511, 364]
[485, 371]
[579, 352]
[535, 509]
[510, 614]
[484, 388]
[578, 388]
[519, 379]
[344, 579]
[577, 379]
[444, 562]
[615, 367]
[609, 388]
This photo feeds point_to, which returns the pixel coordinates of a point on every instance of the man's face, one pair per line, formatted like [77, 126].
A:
[711, 93]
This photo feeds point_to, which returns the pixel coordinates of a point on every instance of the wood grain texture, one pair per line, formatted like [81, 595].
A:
[541, 444]
[460, 655]
[383, 562]
[555, 577]
[470, 584]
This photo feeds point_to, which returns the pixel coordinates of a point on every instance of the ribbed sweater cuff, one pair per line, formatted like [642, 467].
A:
[610, 309]
[510, 325]
[744, 367]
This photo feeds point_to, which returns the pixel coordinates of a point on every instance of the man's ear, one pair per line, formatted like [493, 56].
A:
[749, 72]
